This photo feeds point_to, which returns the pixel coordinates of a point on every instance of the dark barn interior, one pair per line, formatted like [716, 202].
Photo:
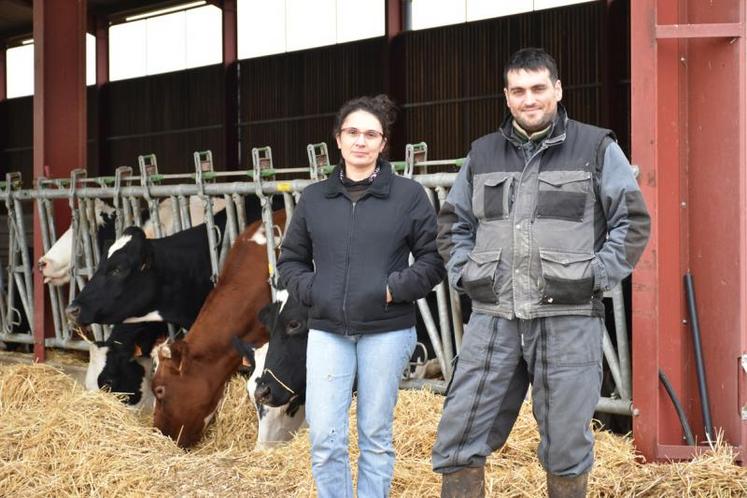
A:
[447, 82]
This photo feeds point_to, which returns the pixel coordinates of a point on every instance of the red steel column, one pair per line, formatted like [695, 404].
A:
[3, 73]
[394, 70]
[231, 88]
[688, 112]
[102, 100]
[59, 115]
[742, 154]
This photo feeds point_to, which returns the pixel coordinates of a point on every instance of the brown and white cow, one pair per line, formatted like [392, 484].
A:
[192, 373]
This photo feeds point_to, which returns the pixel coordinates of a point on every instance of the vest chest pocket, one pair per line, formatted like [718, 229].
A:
[562, 194]
[479, 278]
[567, 278]
[498, 197]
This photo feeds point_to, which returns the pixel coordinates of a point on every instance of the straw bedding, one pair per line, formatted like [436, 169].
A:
[56, 439]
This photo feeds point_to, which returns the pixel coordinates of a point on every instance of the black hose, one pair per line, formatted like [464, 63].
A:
[678, 408]
[700, 369]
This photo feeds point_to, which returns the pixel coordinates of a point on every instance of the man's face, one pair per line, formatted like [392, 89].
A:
[532, 98]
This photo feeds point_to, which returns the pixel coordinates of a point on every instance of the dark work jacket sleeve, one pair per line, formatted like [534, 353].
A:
[428, 270]
[295, 266]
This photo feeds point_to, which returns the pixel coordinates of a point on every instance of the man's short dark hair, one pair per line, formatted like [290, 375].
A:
[531, 59]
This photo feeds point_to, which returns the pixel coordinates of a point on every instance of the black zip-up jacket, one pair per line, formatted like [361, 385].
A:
[339, 256]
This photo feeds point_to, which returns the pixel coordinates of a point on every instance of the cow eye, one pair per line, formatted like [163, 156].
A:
[294, 325]
[114, 270]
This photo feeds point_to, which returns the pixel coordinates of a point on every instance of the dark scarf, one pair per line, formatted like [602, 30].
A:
[356, 189]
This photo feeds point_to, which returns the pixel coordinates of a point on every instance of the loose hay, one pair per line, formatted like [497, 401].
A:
[58, 440]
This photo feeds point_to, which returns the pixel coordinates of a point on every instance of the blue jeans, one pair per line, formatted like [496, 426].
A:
[332, 364]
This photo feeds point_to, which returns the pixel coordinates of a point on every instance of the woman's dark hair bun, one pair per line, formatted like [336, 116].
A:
[380, 106]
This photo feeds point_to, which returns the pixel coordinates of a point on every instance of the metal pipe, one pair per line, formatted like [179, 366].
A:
[271, 187]
[231, 223]
[623, 343]
[184, 209]
[688, 433]
[615, 406]
[611, 356]
[698, 350]
[430, 327]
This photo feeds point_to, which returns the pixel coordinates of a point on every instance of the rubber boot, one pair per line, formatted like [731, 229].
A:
[566, 487]
[468, 482]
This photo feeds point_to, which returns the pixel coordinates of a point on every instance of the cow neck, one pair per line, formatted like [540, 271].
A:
[185, 277]
[232, 307]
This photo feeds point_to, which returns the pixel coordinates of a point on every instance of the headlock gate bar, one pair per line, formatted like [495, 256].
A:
[170, 201]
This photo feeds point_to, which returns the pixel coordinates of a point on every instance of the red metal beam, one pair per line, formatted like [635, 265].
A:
[394, 18]
[742, 288]
[393, 64]
[59, 116]
[231, 152]
[645, 299]
[721, 30]
[3, 74]
[102, 108]
[699, 225]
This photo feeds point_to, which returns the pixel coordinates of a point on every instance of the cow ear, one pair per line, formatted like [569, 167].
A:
[177, 352]
[181, 351]
[268, 313]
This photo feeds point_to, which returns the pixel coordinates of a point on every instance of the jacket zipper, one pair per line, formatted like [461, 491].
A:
[347, 270]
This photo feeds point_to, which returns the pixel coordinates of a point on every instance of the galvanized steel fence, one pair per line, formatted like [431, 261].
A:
[131, 194]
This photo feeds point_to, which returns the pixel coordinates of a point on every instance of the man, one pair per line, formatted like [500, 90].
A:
[544, 216]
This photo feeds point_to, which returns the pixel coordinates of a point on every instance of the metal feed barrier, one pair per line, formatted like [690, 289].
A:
[130, 195]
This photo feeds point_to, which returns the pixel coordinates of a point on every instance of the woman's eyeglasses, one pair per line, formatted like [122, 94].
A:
[353, 134]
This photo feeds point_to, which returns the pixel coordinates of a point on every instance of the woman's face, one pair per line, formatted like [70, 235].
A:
[360, 140]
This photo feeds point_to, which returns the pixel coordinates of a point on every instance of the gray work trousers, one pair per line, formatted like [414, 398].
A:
[561, 357]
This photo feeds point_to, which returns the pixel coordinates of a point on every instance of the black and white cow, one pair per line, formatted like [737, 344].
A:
[55, 264]
[122, 363]
[277, 384]
[282, 380]
[149, 280]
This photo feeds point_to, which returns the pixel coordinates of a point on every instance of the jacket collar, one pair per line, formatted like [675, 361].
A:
[557, 134]
[379, 188]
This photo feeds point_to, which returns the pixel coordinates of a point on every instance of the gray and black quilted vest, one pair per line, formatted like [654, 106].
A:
[540, 222]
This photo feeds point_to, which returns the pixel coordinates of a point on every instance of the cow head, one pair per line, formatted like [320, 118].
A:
[122, 372]
[283, 378]
[122, 287]
[55, 264]
[122, 364]
[185, 400]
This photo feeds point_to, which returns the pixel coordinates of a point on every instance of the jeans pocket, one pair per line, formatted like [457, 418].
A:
[479, 276]
[567, 278]
[562, 194]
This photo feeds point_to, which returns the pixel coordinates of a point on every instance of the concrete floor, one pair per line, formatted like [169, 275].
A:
[73, 364]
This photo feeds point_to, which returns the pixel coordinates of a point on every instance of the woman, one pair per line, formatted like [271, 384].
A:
[345, 255]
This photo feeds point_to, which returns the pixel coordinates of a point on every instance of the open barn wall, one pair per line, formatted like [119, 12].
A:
[171, 115]
[455, 74]
[16, 131]
[447, 81]
[290, 100]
